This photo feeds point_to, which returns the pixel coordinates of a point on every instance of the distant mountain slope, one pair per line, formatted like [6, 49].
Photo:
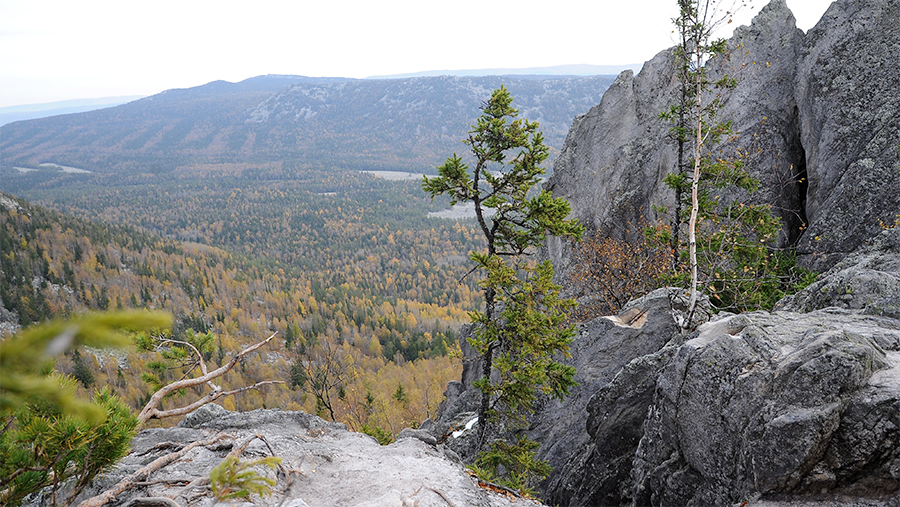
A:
[556, 70]
[332, 122]
[10, 114]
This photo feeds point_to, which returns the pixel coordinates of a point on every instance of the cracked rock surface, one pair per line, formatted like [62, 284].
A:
[327, 465]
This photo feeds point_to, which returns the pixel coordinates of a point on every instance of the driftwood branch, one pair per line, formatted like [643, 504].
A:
[444, 496]
[209, 398]
[141, 475]
[236, 451]
[150, 410]
[199, 356]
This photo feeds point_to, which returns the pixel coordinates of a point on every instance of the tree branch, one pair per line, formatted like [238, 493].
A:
[209, 398]
[150, 410]
[134, 479]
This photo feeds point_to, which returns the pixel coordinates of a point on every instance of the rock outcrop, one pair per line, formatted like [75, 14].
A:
[798, 405]
[867, 280]
[793, 404]
[596, 469]
[848, 94]
[750, 407]
[323, 464]
[819, 121]
[603, 347]
[763, 404]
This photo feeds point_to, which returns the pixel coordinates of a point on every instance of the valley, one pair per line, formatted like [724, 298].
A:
[361, 269]
[278, 204]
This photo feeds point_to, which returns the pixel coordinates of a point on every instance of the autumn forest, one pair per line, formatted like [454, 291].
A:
[347, 268]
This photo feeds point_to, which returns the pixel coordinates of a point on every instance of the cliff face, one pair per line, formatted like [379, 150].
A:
[799, 404]
[818, 115]
[848, 94]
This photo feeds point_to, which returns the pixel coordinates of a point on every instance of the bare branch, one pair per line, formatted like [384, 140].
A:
[139, 476]
[469, 272]
[442, 495]
[150, 410]
[209, 398]
[199, 361]
[152, 501]
[161, 446]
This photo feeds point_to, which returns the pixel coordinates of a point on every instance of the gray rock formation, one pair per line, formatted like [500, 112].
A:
[867, 280]
[783, 405]
[786, 405]
[818, 116]
[325, 464]
[848, 94]
[602, 348]
[751, 407]
[763, 403]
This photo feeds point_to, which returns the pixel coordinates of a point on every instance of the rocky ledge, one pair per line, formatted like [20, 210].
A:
[323, 464]
[799, 406]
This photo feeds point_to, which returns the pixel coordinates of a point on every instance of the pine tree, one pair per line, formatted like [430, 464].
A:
[50, 435]
[522, 328]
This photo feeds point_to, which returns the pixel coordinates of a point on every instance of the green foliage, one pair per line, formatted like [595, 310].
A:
[350, 268]
[520, 341]
[738, 267]
[50, 435]
[25, 355]
[174, 355]
[383, 436]
[531, 331]
[730, 250]
[508, 151]
[400, 395]
[44, 446]
[512, 465]
[232, 479]
[264, 249]
[80, 371]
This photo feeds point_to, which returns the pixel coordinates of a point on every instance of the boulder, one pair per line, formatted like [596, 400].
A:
[867, 280]
[773, 404]
[602, 347]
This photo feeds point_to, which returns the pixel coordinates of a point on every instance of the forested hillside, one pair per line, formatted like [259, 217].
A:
[240, 209]
[391, 124]
[351, 263]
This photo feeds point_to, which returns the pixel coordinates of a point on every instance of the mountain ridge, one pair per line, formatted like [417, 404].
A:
[405, 124]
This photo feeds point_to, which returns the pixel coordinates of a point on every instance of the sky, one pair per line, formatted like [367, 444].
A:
[54, 50]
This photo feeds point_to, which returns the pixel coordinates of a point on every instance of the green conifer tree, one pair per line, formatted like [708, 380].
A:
[522, 328]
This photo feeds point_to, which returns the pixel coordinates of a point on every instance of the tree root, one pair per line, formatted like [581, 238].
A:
[134, 479]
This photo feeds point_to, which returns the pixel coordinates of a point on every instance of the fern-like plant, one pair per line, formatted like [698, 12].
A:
[232, 479]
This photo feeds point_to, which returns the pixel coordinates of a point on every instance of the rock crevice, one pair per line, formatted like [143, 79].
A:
[817, 116]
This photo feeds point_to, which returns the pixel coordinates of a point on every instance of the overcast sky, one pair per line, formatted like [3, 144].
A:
[52, 50]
